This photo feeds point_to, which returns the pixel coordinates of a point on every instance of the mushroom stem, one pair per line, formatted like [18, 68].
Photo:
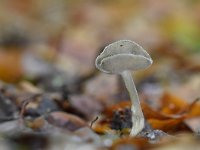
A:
[137, 114]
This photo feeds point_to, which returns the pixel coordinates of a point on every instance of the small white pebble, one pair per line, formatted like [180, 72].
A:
[107, 142]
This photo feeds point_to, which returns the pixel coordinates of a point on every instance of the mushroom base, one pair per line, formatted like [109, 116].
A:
[137, 124]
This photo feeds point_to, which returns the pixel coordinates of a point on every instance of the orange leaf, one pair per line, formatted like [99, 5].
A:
[10, 66]
[194, 109]
[132, 143]
[101, 128]
[121, 105]
[171, 104]
[170, 125]
[151, 113]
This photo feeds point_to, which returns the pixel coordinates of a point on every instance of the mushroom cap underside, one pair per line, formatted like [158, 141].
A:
[118, 63]
[123, 55]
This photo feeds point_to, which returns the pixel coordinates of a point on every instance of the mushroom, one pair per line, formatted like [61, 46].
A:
[120, 58]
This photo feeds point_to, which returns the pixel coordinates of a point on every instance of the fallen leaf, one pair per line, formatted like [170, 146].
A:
[171, 104]
[194, 124]
[170, 125]
[180, 142]
[130, 143]
[151, 113]
[66, 121]
[87, 106]
[119, 106]
[10, 65]
[194, 109]
[36, 124]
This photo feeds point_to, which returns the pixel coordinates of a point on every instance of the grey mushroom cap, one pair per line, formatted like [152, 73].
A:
[123, 55]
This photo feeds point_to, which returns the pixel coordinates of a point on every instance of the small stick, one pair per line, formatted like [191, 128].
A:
[94, 121]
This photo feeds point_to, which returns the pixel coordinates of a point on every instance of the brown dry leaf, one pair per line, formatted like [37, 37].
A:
[119, 106]
[194, 124]
[130, 143]
[170, 125]
[36, 124]
[181, 142]
[66, 121]
[194, 109]
[173, 114]
[190, 88]
[87, 135]
[101, 128]
[171, 104]
[29, 87]
[107, 123]
[151, 113]
[10, 65]
[147, 110]
[87, 106]
[167, 121]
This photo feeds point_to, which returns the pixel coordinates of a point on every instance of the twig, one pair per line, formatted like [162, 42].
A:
[94, 121]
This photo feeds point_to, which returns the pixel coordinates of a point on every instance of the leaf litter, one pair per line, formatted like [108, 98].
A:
[51, 97]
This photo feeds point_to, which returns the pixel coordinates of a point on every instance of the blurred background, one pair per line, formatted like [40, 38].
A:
[53, 44]
[47, 53]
